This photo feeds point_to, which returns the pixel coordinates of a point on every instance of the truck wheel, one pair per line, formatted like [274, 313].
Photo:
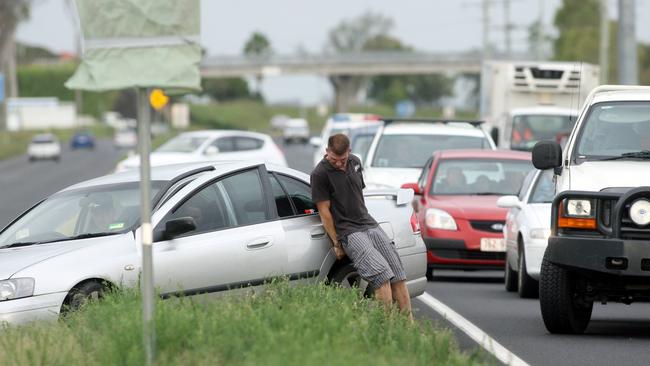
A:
[528, 287]
[510, 278]
[562, 310]
[348, 277]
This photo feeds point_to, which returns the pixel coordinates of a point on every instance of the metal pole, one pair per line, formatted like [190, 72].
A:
[486, 29]
[507, 28]
[604, 42]
[146, 285]
[627, 57]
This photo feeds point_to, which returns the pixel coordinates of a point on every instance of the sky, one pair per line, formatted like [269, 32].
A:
[426, 25]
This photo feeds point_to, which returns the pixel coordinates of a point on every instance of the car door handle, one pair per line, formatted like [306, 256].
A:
[317, 233]
[257, 244]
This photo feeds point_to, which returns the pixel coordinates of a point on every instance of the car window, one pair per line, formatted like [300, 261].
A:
[247, 143]
[527, 130]
[246, 197]
[526, 184]
[300, 194]
[544, 190]
[208, 209]
[422, 181]
[282, 203]
[412, 151]
[361, 144]
[225, 144]
[180, 144]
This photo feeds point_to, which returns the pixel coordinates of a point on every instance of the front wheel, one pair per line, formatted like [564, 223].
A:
[80, 295]
[563, 310]
[348, 277]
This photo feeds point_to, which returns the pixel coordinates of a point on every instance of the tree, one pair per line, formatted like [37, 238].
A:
[257, 45]
[350, 36]
[390, 89]
[226, 89]
[11, 14]
[578, 24]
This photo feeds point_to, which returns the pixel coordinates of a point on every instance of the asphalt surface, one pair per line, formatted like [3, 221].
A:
[23, 184]
[618, 334]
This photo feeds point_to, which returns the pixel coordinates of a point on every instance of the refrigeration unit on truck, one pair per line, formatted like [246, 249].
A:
[525, 102]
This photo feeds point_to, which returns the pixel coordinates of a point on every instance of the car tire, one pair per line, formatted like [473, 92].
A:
[348, 277]
[429, 274]
[562, 311]
[527, 286]
[510, 277]
[81, 294]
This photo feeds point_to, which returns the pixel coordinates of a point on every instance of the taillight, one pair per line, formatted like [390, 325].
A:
[415, 225]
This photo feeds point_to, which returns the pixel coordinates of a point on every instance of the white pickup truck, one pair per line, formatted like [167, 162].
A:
[599, 248]
[217, 227]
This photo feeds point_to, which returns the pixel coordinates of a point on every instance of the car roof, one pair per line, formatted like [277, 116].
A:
[43, 136]
[415, 128]
[622, 95]
[484, 154]
[545, 110]
[164, 172]
[218, 133]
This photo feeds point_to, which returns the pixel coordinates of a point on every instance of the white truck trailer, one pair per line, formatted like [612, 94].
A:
[528, 101]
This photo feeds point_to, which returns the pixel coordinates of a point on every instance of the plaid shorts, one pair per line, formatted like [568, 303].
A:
[374, 256]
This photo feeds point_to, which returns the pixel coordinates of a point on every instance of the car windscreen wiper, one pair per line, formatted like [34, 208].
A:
[82, 236]
[643, 154]
[20, 244]
[487, 194]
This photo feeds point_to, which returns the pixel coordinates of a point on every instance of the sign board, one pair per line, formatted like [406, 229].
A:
[405, 109]
[158, 99]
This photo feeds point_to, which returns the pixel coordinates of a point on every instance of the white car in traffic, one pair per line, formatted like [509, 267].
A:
[44, 146]
[211, 145]
[217, 227]
[526, 232]
[295, 129]
[401, 148]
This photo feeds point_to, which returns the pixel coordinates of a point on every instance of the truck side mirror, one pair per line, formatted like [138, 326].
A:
[547, 154]
[494, 133]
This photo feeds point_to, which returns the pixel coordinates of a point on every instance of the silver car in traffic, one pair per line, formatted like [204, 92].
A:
[217, 226]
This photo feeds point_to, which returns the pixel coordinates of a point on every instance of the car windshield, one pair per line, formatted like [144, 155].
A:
[361, 143]
[43, 140]
[413, 151]
[479, 177]
[615, 128]
[96, 211]
[527, 130]
[182, 144]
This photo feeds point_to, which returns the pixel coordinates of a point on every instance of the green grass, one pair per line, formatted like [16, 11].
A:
[285, 325]
[256, 116]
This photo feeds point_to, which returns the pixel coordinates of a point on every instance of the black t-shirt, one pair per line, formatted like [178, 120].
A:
[344, 191]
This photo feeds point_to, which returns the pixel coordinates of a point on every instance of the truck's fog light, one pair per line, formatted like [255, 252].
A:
[616, 263]
[640, 212]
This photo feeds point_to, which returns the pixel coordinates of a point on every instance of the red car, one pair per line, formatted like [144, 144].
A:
[456, 206]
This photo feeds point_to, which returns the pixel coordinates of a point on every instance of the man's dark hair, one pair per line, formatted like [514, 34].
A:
[339, 144]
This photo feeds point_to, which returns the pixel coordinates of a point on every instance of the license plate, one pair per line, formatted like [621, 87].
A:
[493, 245]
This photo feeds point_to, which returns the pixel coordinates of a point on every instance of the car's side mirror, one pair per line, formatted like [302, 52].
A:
[494, 133]
[177, 227]
[414, 186]
[211, 150]
[547, 154]
[316, 141]
[509, 202]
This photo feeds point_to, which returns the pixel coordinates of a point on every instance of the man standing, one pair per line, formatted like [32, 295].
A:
[336, 188]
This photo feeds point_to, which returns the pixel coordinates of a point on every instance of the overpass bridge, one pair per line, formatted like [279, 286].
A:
[351, 64]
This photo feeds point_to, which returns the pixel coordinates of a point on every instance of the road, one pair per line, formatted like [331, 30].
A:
[618, 334]
[22, 184]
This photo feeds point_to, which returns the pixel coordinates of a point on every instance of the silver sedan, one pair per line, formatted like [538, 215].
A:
[217, 227]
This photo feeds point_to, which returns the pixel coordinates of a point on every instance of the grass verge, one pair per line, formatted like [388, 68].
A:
[284, 325]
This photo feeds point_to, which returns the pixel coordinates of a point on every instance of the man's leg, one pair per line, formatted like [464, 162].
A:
[384, 294]
[401, 295]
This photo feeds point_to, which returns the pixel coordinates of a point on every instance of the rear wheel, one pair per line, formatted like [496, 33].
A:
[563, 310]
[429, 274]
[348, 277]
[528, 287]
[510, 277]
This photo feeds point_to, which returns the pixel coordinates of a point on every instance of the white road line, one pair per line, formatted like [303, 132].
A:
[474, 332]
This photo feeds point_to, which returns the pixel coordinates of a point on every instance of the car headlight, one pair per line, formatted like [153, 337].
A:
[540, 233]
[640, 212]
[579, 208]
[439, 219]
[16, 288]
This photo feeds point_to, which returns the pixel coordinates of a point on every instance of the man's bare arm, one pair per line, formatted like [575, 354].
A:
[328, 223]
